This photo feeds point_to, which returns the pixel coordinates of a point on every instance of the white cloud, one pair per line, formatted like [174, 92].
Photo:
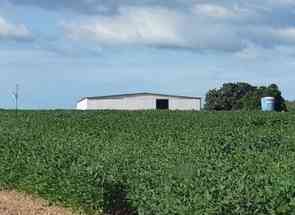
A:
[211, 10]
[154, 26]
[205, 26]
[268, 36]
[13, 31]
[282, 2]
[285, 34]
[142, 26]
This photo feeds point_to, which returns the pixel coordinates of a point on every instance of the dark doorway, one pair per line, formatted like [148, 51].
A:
[162, 104]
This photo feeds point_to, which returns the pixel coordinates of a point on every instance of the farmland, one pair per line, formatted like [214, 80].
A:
[152, 162]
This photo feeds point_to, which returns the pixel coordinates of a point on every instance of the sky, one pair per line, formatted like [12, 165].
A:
[61, 50]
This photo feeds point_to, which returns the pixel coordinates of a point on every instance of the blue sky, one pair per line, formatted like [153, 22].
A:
[61, 50]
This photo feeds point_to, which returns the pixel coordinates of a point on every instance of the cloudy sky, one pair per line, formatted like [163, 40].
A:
[61, 50]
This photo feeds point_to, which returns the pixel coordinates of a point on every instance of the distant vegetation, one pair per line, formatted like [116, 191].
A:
[153, 163]
[242, 96]
[290, 105]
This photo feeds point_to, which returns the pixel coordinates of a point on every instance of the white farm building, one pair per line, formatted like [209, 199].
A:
[140, 101]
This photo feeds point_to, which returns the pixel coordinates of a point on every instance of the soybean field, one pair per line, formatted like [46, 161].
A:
[152, 162]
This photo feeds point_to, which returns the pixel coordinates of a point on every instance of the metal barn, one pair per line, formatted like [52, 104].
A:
[140, 101]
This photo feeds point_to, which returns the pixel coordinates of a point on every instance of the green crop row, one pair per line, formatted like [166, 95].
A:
[153, 162]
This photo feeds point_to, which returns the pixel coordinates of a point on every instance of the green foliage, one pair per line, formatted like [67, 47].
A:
[290, 105]
[150, 162]
[242, 96]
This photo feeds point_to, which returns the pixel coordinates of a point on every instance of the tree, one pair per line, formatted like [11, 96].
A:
[242, 96]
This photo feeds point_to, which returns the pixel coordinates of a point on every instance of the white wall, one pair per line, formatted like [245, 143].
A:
[82, 105]
[184, 104]
[141, 102]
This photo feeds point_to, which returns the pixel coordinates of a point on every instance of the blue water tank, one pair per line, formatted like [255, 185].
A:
[268, 104]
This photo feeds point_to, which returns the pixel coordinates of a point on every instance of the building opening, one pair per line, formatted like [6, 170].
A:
[162, 104]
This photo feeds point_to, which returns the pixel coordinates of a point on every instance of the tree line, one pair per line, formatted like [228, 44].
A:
[243, 96]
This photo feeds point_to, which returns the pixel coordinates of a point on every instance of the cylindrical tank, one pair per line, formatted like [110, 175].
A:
[268, 104]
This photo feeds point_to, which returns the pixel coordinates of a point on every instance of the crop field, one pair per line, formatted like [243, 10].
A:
[153, 162]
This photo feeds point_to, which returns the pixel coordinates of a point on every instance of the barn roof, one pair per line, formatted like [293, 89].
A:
[119, 96]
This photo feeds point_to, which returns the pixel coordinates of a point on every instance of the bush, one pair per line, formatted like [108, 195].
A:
[242, 96]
